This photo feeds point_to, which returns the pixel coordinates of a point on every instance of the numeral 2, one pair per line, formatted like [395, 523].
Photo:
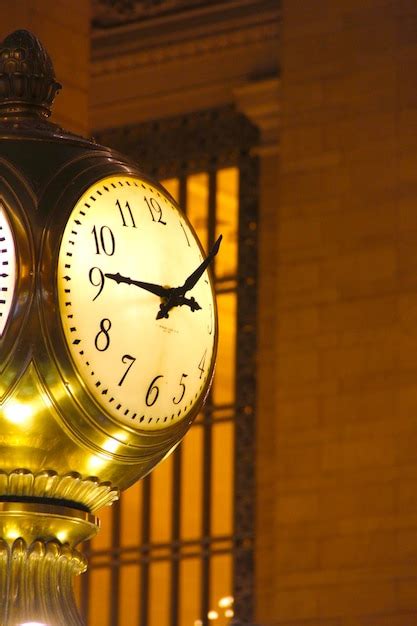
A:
[155, 210]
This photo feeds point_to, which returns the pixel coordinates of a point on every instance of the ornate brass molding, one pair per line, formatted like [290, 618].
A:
[36, 573]
[71, 487]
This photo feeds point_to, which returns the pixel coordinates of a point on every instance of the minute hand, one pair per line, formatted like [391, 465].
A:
[196, 275]
[158, 290]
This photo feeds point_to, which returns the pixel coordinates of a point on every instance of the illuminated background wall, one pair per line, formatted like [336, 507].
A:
[336, 471]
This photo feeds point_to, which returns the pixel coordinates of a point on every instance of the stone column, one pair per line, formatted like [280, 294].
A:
[259, 101]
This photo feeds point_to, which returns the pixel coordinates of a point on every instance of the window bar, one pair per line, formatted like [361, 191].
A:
[176, 484]
[144, 579]
[245, 393]
[207, 444]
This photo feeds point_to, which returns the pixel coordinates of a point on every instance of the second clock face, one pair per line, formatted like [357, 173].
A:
[144, 353]
[7, 268]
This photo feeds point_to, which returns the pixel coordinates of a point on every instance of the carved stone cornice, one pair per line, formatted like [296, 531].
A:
[113, 12]
[181, 61]
[213, 43]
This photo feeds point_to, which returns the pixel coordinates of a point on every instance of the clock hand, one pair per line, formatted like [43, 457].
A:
[196, 275]
[158, 290]
[172, 296]
[165, 307]
[176, 297]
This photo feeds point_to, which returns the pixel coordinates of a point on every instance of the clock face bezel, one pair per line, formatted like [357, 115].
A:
[73, 381]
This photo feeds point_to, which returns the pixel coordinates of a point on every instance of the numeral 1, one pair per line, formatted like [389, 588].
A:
[129, 213]
[104, 240]
[185, 233]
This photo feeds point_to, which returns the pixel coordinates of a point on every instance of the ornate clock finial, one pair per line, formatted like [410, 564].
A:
[27, 77]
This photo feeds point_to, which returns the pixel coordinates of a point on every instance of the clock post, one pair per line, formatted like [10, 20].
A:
[107, 346]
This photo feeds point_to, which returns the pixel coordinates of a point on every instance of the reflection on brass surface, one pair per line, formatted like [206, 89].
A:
[30, 521]
[38, 560]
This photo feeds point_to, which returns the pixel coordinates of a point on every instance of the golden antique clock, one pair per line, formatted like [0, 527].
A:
[108, 330]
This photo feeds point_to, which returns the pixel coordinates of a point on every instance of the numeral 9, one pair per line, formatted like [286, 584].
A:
[96, 277]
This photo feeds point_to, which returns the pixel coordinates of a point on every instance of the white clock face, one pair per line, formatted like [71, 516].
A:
[144, 351]
[7, 268]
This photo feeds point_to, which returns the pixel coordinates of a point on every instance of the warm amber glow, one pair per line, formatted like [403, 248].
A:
[172, 186]
[227, 220]
[161, 481]
[191, 484]
[212, 615]
[197, 205]
[18, 412]
[100, 593]
[190, 585]
[131, 516]
[224, 382]
[220, 579]
[159, 594]
[222, 481]
[129, 596]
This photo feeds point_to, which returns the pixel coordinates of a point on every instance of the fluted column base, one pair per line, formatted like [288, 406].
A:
[36, 567]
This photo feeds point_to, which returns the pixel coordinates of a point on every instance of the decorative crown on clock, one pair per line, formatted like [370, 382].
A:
[27, 75]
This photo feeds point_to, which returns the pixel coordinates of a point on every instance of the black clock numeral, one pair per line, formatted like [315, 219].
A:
[182, 385]
[185, 233]
[104, 240]
[129, 214]
[201, 365]
[153, 392]
[102, 340]
[96, 277]
[155, 210]
[126, 358]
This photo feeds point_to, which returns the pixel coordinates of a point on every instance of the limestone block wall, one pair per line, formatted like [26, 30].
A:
[346, 308]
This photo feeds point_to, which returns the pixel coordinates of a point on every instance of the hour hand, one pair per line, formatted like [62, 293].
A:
[165, 307]
[158, 290]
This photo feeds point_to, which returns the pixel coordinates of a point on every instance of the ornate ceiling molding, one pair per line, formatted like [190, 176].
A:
[261, 33]
[107, 13]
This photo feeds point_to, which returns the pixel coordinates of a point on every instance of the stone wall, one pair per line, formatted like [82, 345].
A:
[346, 400]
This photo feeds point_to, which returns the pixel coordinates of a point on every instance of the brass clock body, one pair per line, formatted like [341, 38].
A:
[51, 407]
[108, 334]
